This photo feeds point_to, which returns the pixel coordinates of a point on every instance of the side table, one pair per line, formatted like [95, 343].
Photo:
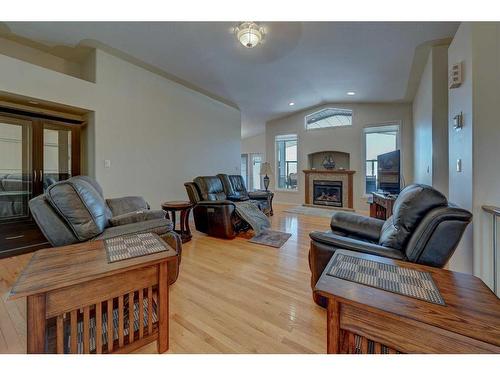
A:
[184, 207]
[364, 319]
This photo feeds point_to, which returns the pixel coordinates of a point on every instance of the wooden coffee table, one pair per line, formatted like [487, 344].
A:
[72, 290]
[171, 207]
[364, 319]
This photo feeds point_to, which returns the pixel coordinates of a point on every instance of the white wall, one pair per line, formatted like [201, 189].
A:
[477, 46]
[422, 127]
[254, 145]
[486, 137]
[344, 139]
[460, 143]
[157, 133]
[430, 122]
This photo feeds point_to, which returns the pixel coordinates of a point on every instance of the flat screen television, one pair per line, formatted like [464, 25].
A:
[389, 172]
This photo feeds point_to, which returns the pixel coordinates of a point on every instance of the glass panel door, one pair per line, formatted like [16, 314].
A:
[244, 168]
[16, 187]
[56, 153]
[255, 173]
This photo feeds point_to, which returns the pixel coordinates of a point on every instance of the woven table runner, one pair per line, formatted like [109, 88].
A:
[134, 245]
[389, 277]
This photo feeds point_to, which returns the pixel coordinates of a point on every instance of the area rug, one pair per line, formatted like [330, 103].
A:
[271, 238]
[311, 211]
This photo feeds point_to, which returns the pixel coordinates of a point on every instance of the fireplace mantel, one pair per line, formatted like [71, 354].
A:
[344, 175]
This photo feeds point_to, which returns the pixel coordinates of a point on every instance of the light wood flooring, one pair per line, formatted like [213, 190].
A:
[232, 296]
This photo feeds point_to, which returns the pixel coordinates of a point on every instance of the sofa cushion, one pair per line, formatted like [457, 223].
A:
[411, 206]
[158, 226]
[136, 216]
[123, 205]
[211, 188]
[80, 205]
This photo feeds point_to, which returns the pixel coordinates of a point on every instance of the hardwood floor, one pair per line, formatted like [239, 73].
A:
[232, 296]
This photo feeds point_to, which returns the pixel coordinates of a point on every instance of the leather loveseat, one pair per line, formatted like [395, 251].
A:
[214, 209]
[424, 229]
[75, 210]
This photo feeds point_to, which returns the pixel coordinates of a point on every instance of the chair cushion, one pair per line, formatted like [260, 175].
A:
[80, 205]
[211, 188]
[158, 226]
[123, 205]
[135, 217]
[412, 204]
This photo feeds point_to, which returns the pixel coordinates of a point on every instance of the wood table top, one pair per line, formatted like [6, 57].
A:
[176, 205]
[471, 310]
[59, 267]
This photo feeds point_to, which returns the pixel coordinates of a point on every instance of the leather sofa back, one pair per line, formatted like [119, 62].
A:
[437, 235]
[234, 185]
[210, 188]
[411, 206]
[80, 205]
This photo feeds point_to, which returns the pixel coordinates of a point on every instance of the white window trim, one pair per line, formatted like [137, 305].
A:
[284, 137]
[328, 127]
[375, 128]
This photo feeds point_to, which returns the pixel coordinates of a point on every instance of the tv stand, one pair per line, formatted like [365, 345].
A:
[381, 206]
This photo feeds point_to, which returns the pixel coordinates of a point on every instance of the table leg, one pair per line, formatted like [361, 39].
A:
[333, 327]
[162, 344]
[185, 231]
[270, 200]
[35, 316]
[172, 217]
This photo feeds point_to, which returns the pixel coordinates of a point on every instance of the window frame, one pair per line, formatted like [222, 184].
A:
[284, 137]
[378, 128]
[327, 127]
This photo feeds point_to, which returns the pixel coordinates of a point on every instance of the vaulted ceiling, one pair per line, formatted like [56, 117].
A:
[304, 62]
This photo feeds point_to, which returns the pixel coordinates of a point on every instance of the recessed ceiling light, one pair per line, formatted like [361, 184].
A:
[351, 93]
[291, 104]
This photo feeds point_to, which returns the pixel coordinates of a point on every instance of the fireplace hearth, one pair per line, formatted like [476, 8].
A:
[327, 193]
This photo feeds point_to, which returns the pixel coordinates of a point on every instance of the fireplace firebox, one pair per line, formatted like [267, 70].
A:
[327, 193]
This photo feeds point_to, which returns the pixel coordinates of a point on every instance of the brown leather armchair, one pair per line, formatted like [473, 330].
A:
[424, 228]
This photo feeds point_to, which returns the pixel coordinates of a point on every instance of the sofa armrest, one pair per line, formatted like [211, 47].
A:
[357, 225]
[123, 205]
[136, 216]
[340, 242]
[259, 195]
[237, 198]
[215, 203]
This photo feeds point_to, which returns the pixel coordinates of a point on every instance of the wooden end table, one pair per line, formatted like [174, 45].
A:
[364, 319]
[171, 207]
[72, 290]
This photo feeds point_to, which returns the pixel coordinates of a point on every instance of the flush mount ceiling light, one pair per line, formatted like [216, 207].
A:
[291, 104]
[249, 34]
[351, 93]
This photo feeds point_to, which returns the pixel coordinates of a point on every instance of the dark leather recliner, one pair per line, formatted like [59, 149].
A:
[424, 229]
[235, 189]
[213, 213]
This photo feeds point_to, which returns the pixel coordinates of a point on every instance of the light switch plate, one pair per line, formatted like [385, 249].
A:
[459, 165]
[107, 163]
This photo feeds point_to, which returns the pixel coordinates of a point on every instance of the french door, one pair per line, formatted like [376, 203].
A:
[35, 152]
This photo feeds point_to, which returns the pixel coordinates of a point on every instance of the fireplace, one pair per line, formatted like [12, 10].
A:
[327, 193]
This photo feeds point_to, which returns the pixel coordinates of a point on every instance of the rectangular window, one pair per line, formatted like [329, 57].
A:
[378, 140]
[286, 162]
[329, 118]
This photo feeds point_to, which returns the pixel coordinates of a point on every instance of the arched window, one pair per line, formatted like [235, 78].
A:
[329, 118]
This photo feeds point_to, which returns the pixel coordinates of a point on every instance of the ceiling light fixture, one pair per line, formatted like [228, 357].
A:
[351, 93]
[249, 34]
[291, 104]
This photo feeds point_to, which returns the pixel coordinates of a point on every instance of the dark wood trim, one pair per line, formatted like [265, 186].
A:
[35, 316]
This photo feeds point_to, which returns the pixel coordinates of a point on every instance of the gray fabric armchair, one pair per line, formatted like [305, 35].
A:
[75, 210]
[424, 229]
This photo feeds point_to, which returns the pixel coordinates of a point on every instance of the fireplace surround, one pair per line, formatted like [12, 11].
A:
[327, 193]
[328, 178]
